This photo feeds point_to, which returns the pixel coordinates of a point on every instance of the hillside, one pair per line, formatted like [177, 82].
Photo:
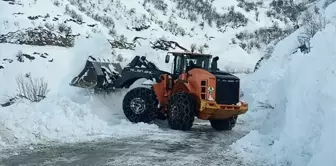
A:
[50, 40]
[235, 30]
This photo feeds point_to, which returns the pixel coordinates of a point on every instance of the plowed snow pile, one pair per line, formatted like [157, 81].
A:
[68, 114]
[300, 128]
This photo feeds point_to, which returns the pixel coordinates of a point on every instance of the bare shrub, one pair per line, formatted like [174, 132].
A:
[57, 3]
[280, 9]
[248, 6]
[63, 28]
[158, 4]
[205, 10]
[33, 89]
[108, 21]
[120, 58]
[73, 14]
[173, 27]
[193, 47]
[123, 39]
[313, 22]
[263, 36]
[19, 56]
[50, 26]
[112, 32]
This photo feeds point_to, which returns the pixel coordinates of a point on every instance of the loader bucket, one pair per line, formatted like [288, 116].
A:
[97, 74]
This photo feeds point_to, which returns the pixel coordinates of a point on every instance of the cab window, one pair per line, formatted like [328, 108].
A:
[178, 64]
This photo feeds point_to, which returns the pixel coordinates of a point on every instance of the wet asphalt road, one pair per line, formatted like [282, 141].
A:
[200, 146]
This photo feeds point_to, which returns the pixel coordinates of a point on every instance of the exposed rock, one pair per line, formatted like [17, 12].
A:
[39, 37]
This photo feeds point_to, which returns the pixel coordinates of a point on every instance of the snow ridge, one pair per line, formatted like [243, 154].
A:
[299, 128]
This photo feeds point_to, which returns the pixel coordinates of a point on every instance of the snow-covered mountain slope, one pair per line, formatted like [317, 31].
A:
[292, 97]
[51, 39]
[233, 30]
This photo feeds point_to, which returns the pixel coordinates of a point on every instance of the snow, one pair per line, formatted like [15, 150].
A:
[79, 55]
[60, 119]
[68, 114]
[301, 129]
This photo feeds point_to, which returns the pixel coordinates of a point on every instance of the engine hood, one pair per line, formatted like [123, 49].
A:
[224, 75]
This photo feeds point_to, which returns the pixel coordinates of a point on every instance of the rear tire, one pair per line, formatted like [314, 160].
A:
[223, 124]
[140, 105]
[181, 111]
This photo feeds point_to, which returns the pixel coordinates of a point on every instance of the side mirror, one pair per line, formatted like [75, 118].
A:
[215, 58]
[167, 58]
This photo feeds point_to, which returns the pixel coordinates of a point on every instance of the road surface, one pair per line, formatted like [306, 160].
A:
[200, 146]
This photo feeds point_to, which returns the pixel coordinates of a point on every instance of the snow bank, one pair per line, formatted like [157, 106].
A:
[301, 128]
[61, 120]
[68, 114]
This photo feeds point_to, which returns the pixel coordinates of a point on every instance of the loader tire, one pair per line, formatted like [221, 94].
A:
[181, 111]
[140, 105]
[223, 124]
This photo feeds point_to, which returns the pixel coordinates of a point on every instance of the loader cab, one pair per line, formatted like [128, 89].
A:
[185, 61]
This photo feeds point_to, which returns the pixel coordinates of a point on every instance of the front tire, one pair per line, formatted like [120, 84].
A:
[223, 124]
[181, 111]
[140, 105]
